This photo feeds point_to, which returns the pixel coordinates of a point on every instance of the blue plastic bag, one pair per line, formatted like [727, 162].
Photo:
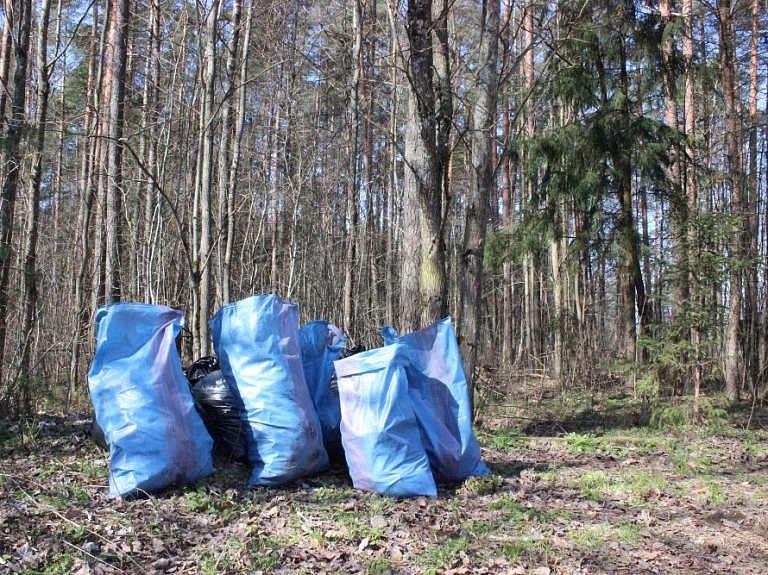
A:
[257, 341]
[438, 389]
[143, 403]
[321, 345]
[378, 426]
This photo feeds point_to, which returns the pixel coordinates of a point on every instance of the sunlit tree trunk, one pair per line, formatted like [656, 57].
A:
[691, 191]
[30, 245]
[6, 43]
[235, 163]
[86, 196]
[677, 200]
[481, 181]
[507, 346]
[226, 153]
[353, 199]
[114, 84]
[205, 182]
[751, 308]
[12, 163]
[733, 175]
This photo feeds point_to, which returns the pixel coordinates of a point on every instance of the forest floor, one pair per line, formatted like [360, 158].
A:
[682, 501]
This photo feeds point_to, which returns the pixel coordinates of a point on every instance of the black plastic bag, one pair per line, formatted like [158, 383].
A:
[202, 367]
[221, 411]
[96, 433]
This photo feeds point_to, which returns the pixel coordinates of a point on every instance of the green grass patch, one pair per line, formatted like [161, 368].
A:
[581, 444]
[264, 552]
[504, 439]
[378, 567]
[440, 555]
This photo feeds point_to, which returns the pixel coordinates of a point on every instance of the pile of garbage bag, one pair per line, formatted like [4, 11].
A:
[283, 399]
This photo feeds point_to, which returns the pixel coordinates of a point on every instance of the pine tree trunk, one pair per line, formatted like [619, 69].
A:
[30, 247]
[733, 181]
[116, 60]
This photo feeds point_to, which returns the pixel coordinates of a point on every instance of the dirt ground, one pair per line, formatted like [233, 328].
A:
[631, 501]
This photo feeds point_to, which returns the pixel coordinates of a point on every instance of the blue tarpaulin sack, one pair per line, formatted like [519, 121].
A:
[257, 341]
[378, 425]
[438, 389]
[142, 401]
[321, 345]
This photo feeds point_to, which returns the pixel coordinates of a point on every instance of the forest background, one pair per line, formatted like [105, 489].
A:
[581, 185]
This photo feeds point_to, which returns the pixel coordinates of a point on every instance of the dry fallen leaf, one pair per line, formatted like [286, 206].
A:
[378, 521]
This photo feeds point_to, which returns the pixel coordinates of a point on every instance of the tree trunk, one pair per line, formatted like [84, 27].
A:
[677, 200]
[235, 164]
[205, 180]
[481, 181]
[353, 202]
[225, 154]
[733, 180]
[30, 248]
[6, 43]
[12, 164]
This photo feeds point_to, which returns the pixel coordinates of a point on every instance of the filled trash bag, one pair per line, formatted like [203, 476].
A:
[96, 433]
[143, 403]
[379, 431]
[257, 342]
[321, 345]
[221, 413]
[438, 389]
[199, 368]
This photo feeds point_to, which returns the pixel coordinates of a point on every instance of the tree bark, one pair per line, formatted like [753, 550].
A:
[116, 59]
[353, 200]
[481, 182]
[12, 164]
[30, 248]
[733, 180]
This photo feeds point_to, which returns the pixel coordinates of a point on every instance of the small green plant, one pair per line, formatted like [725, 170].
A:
[378, 567]
[440, 555]
[594, 485]
[516, 548]
[579, 444]
[482, 485]
[263, 552]
[59, 565]
[715, 494]
[504, 439]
